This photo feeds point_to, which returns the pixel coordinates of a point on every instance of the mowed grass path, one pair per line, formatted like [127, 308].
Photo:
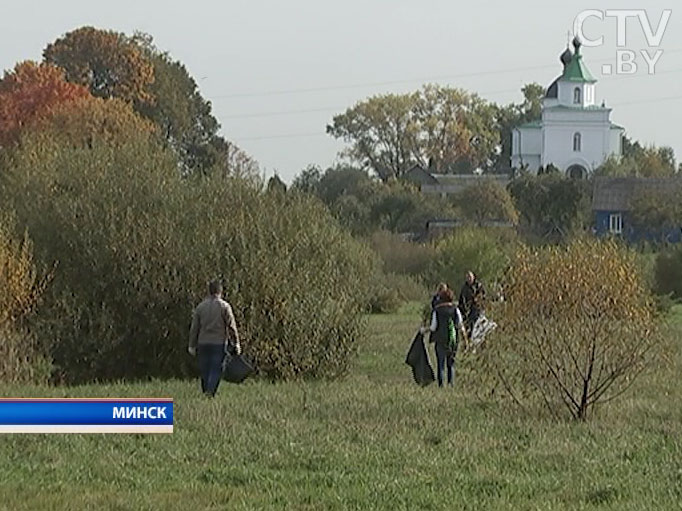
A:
[371, 441]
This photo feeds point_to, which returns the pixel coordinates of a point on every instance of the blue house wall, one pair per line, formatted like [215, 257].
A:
[630, 233]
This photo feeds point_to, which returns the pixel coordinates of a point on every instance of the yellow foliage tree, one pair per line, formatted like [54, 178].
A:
[577, 327]
[21, 287]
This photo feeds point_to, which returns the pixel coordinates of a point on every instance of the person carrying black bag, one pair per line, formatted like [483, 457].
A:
[446, 321]
[213, 333]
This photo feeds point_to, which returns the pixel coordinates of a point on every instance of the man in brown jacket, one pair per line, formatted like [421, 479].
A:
[213, 330]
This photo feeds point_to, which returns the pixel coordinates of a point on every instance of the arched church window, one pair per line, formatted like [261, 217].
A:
[577, 142]
[577, 96]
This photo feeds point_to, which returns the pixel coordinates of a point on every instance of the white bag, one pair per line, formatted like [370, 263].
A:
[482, 327]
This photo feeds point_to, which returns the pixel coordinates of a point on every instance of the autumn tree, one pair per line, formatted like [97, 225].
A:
[160, 88]
[439, 128]
[91, 121]
[108, 63]
[382, 132]
[22, 286]
[32, 92]
[577, 328]
[457, 130]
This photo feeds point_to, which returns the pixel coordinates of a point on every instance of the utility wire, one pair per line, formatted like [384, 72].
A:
[317, 134]
[395, 82]
[339, 108]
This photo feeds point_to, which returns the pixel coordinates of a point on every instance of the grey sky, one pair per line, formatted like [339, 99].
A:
[248, 55]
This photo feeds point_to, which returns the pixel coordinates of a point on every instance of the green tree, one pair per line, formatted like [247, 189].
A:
[656, 210]
[640, 161]
[485, 201]
[513, 115]
[486, 252]
[551, 206]
[186, 120]
[308, 180]
[345, 180]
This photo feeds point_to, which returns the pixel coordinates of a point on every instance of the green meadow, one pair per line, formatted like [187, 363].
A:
[373, 440]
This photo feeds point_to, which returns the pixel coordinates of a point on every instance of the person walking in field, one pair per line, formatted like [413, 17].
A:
[213, 332]
[446, 328]
[471, 301]
[436, 297]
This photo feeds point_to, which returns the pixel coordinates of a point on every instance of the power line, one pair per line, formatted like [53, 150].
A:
[317, 134]
[338, 108]
[396, 82]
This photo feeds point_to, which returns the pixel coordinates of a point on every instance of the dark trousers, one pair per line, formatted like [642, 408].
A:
[211, 366]
[473, 316]
[445, 357]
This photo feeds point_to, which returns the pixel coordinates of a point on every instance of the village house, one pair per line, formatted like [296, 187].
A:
[612, 204]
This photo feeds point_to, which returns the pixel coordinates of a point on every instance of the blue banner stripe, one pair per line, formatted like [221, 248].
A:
[86, 412]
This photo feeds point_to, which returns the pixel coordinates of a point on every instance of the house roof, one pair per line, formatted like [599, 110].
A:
[615, 193]
[420, 176]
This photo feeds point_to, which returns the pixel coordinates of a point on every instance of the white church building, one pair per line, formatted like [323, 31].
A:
[575, 134]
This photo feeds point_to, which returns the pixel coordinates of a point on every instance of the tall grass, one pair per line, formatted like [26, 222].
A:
[371, 441]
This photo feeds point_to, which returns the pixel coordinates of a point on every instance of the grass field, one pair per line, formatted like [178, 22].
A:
[371, 441]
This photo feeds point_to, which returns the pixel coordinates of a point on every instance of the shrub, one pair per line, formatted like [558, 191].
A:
[487, 200]
[401, 256]
[393, 290]
[668, 272]
[486, 252]
[21, 287]
[136, 245]
[578, 327]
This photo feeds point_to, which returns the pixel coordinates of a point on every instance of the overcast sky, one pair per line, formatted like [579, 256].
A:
[276, 72]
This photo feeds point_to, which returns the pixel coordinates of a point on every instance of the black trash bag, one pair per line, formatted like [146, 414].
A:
[236, 368]
[418, 359]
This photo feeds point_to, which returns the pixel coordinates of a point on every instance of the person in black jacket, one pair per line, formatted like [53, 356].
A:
[471, 301]
[444, 311]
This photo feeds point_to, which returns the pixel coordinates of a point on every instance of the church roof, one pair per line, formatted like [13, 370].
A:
[553, 90]
[577, 107]
[531, 125]
[576, 70]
